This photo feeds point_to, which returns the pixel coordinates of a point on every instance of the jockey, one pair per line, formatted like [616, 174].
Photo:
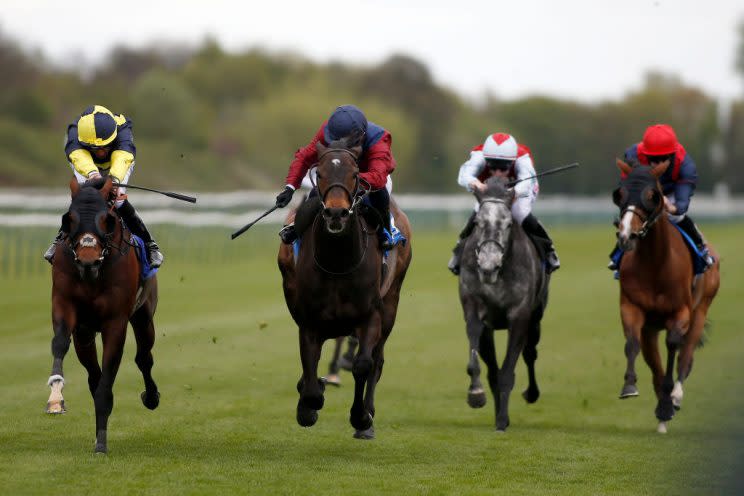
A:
[660, 146]
[376, 163]
[501, 156]
[100, 143]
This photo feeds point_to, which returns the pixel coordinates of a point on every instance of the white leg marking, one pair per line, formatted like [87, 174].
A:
[662, 428]
[677, 394]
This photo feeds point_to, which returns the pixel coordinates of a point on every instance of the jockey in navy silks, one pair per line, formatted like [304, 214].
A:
[660, 146]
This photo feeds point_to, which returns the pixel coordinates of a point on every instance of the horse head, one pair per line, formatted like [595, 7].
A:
[493, 228]
[640, 200]
[89, 224]
[338, 183]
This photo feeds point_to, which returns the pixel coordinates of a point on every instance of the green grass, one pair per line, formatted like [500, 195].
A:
[226, 362]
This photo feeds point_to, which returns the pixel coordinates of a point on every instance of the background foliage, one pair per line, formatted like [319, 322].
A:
[208, 119]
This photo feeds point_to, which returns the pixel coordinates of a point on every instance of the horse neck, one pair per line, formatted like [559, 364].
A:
[338, 253]
[656, 246]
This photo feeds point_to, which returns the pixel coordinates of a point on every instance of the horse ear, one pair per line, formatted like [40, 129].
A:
[660, 169]
[74, 187]
[357, 151]
[320, 148]
[625, 168]
[106, 189]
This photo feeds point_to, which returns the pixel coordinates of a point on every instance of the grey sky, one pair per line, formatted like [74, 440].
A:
[582, 49]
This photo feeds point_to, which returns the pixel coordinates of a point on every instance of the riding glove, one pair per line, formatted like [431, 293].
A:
[283, 198]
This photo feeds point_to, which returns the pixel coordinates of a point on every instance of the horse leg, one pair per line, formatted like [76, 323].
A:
[691, 341]
[475, 329]
[63, 323]
[333, 368]
[310, 387]
[378, 357]
[487, 351]
[114, 335]
[369, 337]
[674, 337]
[515, 344]
[529, 354]
[144, 334]
[633, 320]
[85, 348]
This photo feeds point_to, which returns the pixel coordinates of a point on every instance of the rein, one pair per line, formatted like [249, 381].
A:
[107, 239]
[648, 220]
[363, 232]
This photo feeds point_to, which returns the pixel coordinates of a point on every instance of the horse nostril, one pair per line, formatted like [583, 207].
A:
[327, 212]
[344, 213]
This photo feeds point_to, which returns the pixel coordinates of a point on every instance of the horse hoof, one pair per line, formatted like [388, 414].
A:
[661, 428]
[665, 410]
[477, 398]
[531, 396]
[332, 379]
[150, 401]
[366, 434]
[629, 391]
[56, 408]
[362, 423]
[306, 417]
[501, 426]
[101, 449]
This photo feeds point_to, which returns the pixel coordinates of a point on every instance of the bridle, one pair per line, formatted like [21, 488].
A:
[490, 240]
[354, 198]
[105, 237]
[648, 220]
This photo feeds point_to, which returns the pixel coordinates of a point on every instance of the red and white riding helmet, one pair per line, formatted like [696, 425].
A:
[500, 146]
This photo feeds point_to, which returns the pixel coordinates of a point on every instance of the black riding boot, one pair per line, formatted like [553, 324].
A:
[380, 200]
[542, 241]
[49, 254]
[304, 218]
[689, 227]
[454, 264]
[138, 227]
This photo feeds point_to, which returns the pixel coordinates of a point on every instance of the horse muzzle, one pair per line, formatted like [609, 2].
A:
[336, 219]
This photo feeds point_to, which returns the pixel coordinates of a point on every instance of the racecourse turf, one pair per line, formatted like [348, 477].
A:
[227, 361]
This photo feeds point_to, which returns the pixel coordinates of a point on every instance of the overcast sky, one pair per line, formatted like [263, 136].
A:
[582, 49]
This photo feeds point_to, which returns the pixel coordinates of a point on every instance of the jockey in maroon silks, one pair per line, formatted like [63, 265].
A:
[660, 146]
[376, 163]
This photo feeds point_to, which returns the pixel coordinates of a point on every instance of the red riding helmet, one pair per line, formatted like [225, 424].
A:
[658, 139]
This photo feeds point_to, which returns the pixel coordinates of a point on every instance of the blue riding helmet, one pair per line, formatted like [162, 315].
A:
[344, 121]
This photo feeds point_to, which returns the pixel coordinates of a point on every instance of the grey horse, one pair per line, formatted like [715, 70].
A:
[503, 285]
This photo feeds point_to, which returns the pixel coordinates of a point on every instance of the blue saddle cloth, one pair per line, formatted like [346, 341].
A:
[698, 256]
[146, 271]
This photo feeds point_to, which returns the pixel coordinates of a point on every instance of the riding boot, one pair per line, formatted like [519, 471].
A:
[540, 238]
[288, 234]
[454, 263]
[689, 227]
[137, 226]
[380, 200]
[49, 254]
[304, 218]
[615, 255]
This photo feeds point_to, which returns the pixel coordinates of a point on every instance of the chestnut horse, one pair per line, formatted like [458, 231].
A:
[96, 287]
[337, 287]
[658, 289]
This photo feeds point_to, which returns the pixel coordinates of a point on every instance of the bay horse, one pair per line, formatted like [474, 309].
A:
[336, 286]
[96, 287]
[502, 285]
[658, 289]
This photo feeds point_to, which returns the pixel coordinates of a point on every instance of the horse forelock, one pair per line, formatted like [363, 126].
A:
[87, 204]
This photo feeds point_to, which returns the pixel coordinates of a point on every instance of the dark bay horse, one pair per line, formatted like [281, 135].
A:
[96, 287]
[502, 286]
[336, 287]
[658, 289]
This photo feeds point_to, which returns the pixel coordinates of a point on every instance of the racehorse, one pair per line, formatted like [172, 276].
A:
[96, 287]
[658, 289]
[503, 285]
[336, 286]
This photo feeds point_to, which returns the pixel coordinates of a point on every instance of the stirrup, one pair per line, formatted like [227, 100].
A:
[154, 256]
[612, 265]
[288, 234]
[553, 263]
[49, 254]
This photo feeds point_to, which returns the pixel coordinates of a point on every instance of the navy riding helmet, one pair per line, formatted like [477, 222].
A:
[345, 121]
